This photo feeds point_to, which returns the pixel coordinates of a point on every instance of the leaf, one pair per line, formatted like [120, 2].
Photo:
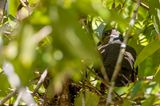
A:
[13, 4]
[126, 103]
[39, 17]
[123, 90]
[33, 2]
[136, 88]
[4, 84]
[91, 99]
[157, 75]
[147, 51]
[149, 101]
[157, 23]
[78, 44]
[155, 11]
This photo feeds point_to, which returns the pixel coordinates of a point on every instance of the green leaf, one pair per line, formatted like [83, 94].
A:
[155, 11]
[149, 101]
[147, 51]
[157, 75]
[126, 103]
[13, 4]
[136, 88]
[157, 22]
[91, 99]
[4, 84]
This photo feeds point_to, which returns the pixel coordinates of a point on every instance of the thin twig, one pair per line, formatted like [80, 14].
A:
[42, 33]
[40, 82]
[18, 99]
[120, 57]
[98, 77]
[90, 86]
[83, 89]
[143, 5]
[107, 85]
[83, 98]
[8, 97]
[103, 71]
[43, 76]
[23, 3]
[4, 5]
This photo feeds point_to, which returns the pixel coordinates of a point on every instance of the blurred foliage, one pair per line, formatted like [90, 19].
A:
[61, 36]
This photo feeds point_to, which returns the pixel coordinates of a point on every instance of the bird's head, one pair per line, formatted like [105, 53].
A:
[109, 36]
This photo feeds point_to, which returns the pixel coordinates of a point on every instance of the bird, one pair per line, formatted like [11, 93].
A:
[109, 49]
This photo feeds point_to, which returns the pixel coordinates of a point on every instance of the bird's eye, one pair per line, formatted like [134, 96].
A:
[107, 33]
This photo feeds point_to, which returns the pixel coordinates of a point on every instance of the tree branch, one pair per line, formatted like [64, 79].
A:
[120, 57]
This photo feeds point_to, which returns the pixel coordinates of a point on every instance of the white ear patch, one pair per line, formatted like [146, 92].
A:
[115, 32]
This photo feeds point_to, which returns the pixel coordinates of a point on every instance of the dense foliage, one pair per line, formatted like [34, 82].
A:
[61, 36]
